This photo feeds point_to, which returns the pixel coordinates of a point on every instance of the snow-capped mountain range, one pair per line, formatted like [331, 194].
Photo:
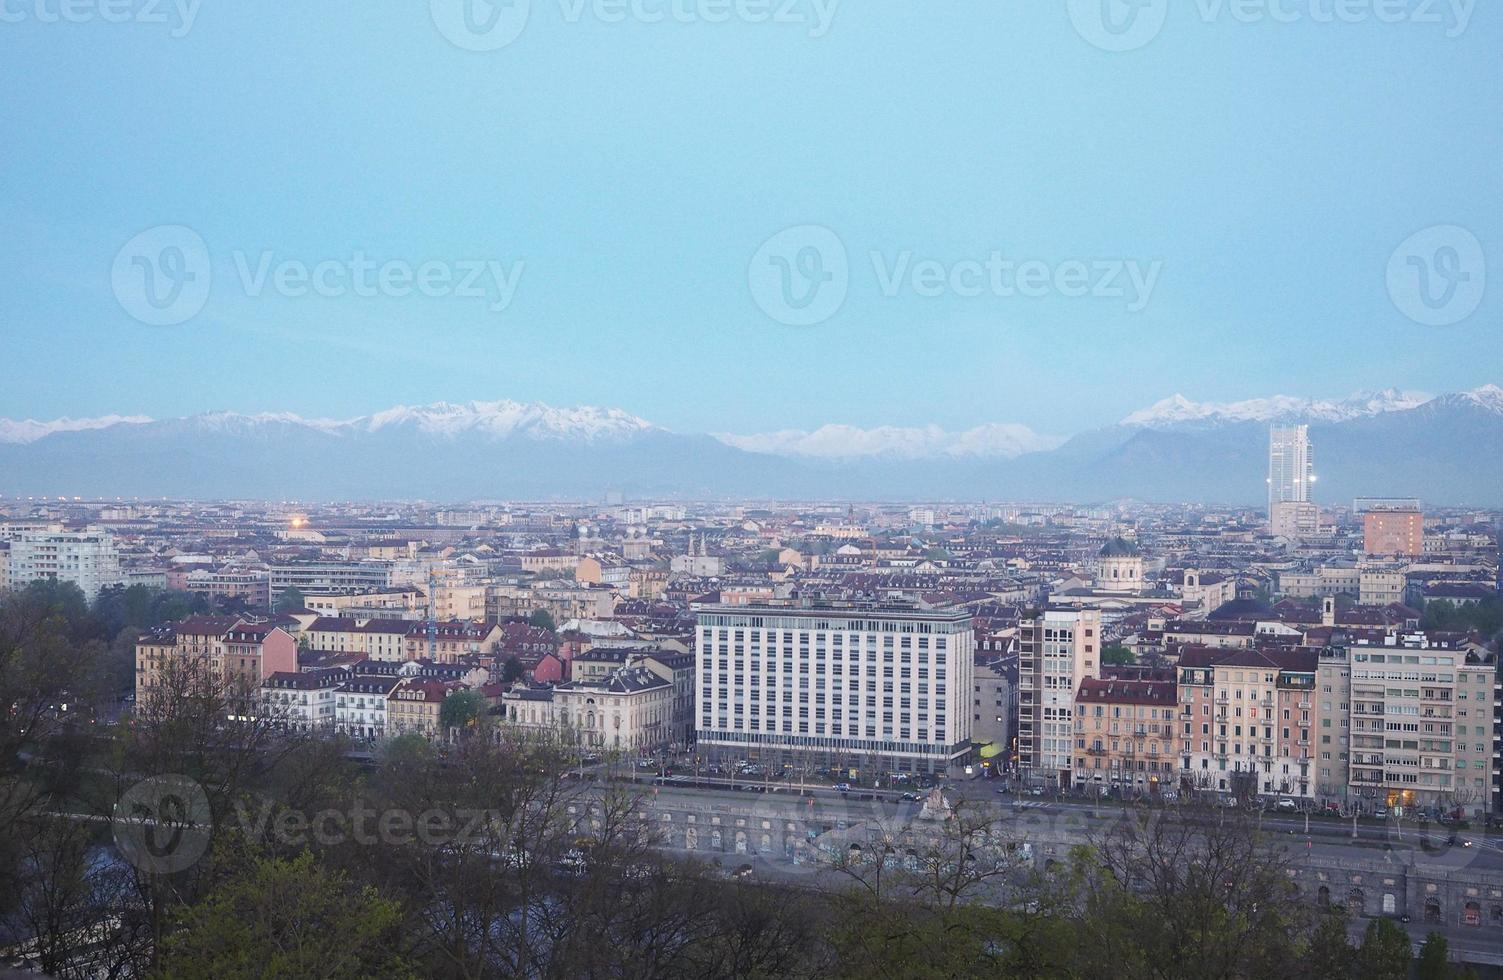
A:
[499, 419]
[1178, 410]
[1003, 440]
[1387, 443]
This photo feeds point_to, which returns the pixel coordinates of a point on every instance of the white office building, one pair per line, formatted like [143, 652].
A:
[875, 687]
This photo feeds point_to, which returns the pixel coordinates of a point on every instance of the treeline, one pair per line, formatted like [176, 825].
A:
[115, 618]
[177, 845]
[1484, 616]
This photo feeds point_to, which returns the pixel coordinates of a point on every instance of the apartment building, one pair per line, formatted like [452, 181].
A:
[87, 559]
[249, 586]
[871, 686]
[360, 705]
[235, 650]
[414, 706]
[376, 639]
[1246, 718]
[1393, 531]
[1419, 724]
[329, 576]
[1125, 735]
[629, 710]
[1058, 649]
[303, 701]
[993, 696]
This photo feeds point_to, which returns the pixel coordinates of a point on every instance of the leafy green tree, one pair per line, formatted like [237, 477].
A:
[542, 619]
[463, 709]
[287, 918]
[1329, 954]
[1385, 953]
[291, 598]
[512, 670]
[1432, 963]
[1117, 654]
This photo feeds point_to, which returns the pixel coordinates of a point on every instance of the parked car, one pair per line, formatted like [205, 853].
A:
[843, 787]
[1381, 812]
[1286, 805]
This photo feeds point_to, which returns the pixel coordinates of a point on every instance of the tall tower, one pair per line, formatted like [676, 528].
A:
[1291, 465]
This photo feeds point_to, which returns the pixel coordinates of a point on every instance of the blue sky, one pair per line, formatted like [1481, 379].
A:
[625, 171]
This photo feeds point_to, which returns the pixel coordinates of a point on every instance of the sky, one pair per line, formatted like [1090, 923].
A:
[746, 215]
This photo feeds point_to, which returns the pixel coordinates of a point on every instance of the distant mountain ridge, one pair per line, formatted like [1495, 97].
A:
[1446, 450]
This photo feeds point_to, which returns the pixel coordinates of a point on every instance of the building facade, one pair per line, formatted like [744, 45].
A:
[1058, 649]
[876, 687]
[87, 559]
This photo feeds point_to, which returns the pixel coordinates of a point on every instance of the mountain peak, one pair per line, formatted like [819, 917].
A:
[30, 430]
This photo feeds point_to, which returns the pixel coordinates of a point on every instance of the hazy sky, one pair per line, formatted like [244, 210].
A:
[1215, 211]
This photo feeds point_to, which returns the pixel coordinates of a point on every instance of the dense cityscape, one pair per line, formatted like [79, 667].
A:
[1323, 675]
[751, 489]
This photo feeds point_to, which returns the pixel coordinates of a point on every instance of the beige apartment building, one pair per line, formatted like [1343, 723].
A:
[1125, 735]
[1246, 719]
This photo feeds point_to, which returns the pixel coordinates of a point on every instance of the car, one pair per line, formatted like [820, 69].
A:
[1454, 841]
[1286, 805]
[1230, 802]
[843, 787]
[910, 797]
[1381, 812]
[744, 871]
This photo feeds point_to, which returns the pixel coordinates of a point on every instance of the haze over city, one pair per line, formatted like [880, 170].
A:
[687, 489]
